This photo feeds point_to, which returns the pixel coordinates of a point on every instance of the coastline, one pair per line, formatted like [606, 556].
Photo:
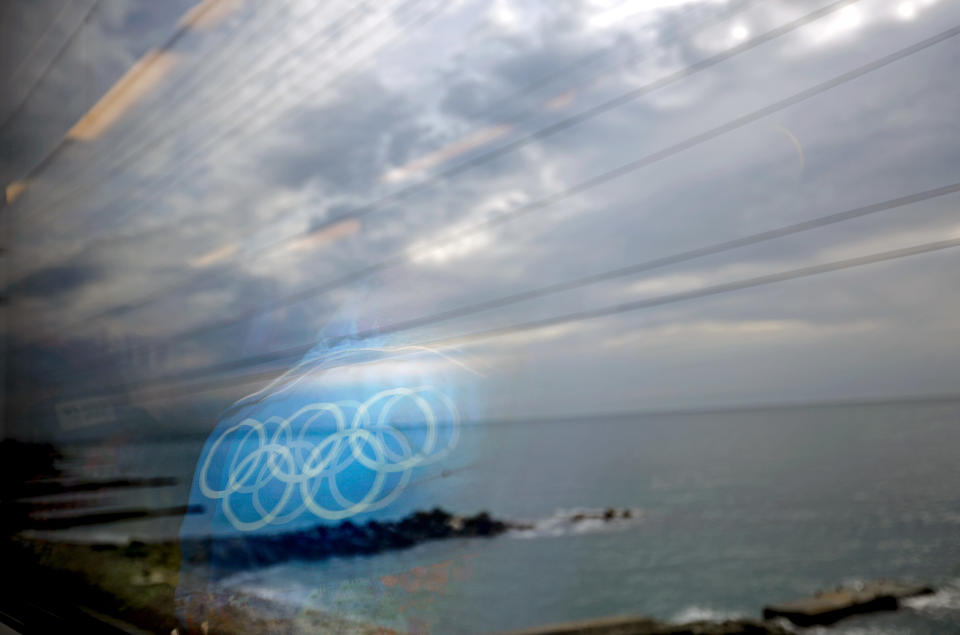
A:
[142, 586]
[136, 585]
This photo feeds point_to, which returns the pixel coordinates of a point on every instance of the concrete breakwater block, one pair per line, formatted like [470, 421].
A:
[827, 607]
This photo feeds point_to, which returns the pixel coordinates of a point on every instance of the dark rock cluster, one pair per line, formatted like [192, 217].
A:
[344, 539]
[611, 513]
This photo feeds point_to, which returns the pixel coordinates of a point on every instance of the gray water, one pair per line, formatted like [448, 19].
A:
[732, 510]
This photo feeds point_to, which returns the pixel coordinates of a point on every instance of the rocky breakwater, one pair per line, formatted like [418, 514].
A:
[343, 539]
[611, 513]
[828, 607]
[135, 584]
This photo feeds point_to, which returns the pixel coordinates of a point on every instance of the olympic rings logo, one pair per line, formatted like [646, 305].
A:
[279, 456]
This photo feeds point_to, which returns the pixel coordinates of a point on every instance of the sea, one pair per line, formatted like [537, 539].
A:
[729, 511]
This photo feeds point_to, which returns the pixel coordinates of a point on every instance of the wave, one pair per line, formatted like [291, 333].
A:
[579, 520]
[945, 600]
[705, 614]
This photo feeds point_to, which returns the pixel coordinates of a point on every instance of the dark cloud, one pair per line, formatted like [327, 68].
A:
[55, 281]
[339, 145]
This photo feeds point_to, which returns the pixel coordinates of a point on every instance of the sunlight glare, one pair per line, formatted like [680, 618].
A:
[907, 10]
[739, 33]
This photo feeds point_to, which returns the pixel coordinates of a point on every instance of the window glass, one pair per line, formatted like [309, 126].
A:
[470, 316]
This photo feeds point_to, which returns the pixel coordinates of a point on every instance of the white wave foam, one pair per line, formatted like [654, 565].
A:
[946, 599]
[274, 585]
[704, 614]
[565, 522]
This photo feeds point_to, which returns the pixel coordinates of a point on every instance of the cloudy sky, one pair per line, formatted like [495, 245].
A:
[271, 177]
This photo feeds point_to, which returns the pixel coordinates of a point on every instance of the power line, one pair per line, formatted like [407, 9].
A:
[803, 272]
[50, 65]
[417, 20]
[401, 258]
[248, 115]
[182, 113]
[36, 45]
[584, 281]
[657, 263]
[170, 43]
[558, 126]
[644, 161]
[579, 316]
[151, 142]
[65, 142]
[592, 57]
[620, 100]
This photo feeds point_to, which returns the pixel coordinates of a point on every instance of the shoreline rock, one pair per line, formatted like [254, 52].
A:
[827, 607]
[236, 553]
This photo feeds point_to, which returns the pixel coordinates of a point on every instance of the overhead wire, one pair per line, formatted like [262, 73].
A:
[633, 94]
[68, 42]
[183, 116]
[178, 385]
[152, 140]
[173, 179]
[793, 274]
[25, 61]
[592, 279]
[242, 115]
[48, 159]
[416, 20]
[180, 88]
[404, 256]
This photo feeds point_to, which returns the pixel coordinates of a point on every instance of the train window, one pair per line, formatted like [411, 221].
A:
[480, 316]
